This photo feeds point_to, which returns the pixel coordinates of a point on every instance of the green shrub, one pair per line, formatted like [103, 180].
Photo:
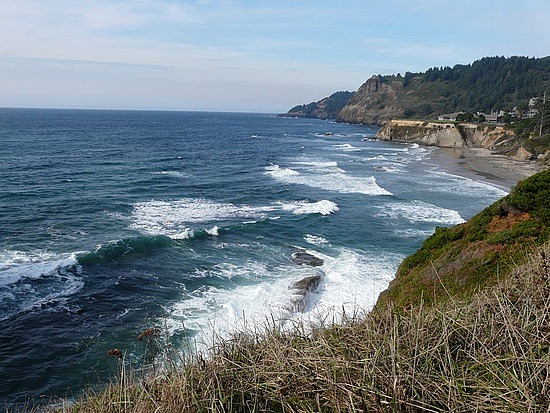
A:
[529, 229]
[533, 195]
[537, 145]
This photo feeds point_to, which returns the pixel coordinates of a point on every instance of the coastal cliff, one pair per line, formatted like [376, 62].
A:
[374, 103]
[449, 134]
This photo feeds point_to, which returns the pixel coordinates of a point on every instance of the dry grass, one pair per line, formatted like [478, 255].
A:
[490, 354]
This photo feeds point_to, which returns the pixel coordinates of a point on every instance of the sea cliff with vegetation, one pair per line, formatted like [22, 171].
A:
[463, 326]
[489, 85]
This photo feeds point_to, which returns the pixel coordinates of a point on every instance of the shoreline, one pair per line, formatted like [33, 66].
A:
[476, 163]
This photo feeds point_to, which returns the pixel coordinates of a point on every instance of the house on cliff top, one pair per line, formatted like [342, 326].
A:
[449, 117]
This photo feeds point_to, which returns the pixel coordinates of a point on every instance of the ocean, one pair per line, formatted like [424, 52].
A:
[114, 222]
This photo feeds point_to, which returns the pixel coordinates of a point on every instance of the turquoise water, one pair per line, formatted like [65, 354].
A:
[112, 222]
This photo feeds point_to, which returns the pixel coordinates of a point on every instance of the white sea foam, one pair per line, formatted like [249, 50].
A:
[29, 280]
[464, 186]
[323, 207]
[16, 265]
[346, 147]
[173, 218]
[352, 282]
[413, 233]
[319, 166]
[387, 169]
[332, 181]
[214, 231]
[70, 282]
[280, 173]
[262, 292]
[377, 158]
[316, 240]
[174, 174]
[418, 211]
[187, 233]
[176, 218]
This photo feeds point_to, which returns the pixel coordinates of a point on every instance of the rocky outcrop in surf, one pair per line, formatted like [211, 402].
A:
[302, 288]
[304, 258]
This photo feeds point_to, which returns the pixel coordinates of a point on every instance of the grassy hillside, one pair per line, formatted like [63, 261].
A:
[457, 261]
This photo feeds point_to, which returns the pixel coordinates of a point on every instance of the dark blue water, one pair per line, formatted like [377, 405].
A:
[112, 222]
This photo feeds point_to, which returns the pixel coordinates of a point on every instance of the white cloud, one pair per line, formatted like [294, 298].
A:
[184, 51]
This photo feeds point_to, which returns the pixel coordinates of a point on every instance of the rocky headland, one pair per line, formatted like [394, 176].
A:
[326, 108]
[376, 102]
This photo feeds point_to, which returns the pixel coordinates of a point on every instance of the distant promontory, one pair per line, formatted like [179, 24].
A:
[497, 103]
[326, 108]
[489, 85]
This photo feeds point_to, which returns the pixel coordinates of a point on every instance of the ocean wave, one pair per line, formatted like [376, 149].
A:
[377, 158]
[174, 174]
[31, 280]
[352, 282]
[254, 292]
[346, 147]
[332, 181]
[464, 186]
[124, 248]
[413, 233]
[250, 292]
[316, 240]
[329, 134]
[17, 265]
[189, 217]
[418, 211]
[173, 218]
[323, 207]
[319, 166]
[280, 173]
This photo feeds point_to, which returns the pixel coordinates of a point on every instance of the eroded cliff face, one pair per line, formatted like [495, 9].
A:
[374, 103]
[446, 134]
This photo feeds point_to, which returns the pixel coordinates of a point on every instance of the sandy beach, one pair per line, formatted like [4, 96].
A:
[478, 162]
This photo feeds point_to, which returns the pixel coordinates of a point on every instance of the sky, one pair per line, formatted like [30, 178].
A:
[243, 55]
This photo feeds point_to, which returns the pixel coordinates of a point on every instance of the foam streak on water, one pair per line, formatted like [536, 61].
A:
[115, 222]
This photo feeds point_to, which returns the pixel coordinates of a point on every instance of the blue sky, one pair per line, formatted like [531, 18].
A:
[231, 55]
